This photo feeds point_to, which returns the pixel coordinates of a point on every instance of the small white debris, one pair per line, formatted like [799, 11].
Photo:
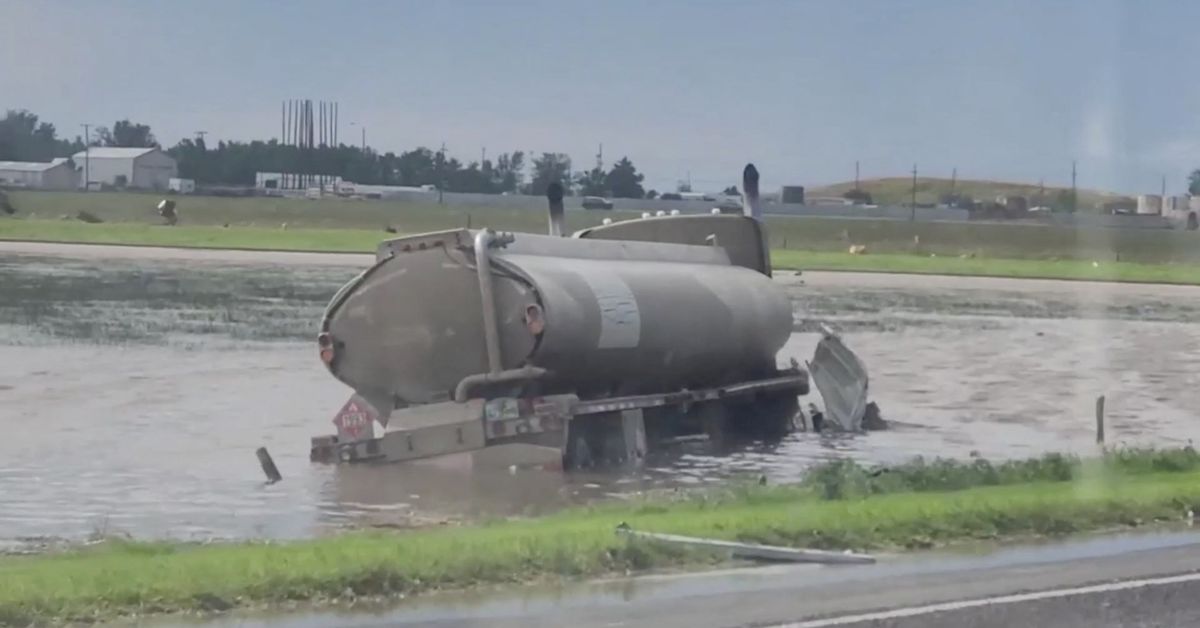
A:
[1095, 264]
[606, 221]
[645, 214]
[674, 212]
[716, 210]
[660, 213]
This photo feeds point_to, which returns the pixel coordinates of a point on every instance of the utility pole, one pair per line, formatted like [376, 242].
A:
[200, 135]
[1074, 191]
[855, 175]
[913, 214]
[482, 156]
[1164, 187]
[441, 172]
[953, 180]
[87, 144]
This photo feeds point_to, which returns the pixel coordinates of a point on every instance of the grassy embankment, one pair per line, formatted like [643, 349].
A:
[1017, 250]
[841, 505]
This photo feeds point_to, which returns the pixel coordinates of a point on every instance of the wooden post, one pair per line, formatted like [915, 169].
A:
[268, 465]
[1100, 420]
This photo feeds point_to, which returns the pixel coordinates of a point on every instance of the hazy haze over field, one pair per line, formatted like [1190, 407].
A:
[1009, 90]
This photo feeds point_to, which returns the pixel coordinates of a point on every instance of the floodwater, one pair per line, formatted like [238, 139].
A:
[137, 384]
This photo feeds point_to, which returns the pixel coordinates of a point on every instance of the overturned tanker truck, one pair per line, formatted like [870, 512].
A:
[592, 347]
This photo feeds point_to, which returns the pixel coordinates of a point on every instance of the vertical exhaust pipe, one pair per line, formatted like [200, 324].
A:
[554, 194]
[750, 202]
[752, 208]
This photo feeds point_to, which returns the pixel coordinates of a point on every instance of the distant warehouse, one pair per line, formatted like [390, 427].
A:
[53, 175]
[146, 168]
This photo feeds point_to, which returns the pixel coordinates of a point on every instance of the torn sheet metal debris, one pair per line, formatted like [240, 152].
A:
[753, 550]
[841, 379]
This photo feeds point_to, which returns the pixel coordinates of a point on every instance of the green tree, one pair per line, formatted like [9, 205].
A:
[509, 172]
[125, 134]
[652, 194]
[592, 183]
[624, 181]
[1194, 182]
[24, 138]
[731, 191]
[547, 169]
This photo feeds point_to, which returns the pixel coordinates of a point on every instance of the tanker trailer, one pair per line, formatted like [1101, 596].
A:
[597, 345]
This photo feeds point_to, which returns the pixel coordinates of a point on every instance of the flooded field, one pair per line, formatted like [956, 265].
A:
[136, 386]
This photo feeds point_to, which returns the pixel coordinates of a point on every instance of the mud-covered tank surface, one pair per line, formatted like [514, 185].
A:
[135, 387]
[410, 329]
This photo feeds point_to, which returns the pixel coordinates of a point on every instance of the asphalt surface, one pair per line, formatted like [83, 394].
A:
[1101, 582]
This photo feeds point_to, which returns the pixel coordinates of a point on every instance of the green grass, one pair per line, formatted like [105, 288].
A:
[118, 578]
[898, 190]
[358, 240]
[337, 225]
[271, 212]
[1187, 274]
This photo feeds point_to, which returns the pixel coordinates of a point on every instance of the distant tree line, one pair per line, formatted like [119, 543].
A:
[24, 138]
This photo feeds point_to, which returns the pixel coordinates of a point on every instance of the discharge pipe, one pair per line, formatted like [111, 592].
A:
[462, 392]
[484, 239]
[554, 194]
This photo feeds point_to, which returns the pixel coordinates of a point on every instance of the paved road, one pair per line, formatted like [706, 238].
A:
[1136, 580]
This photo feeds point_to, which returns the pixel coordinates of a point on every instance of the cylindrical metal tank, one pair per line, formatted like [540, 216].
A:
[1149, 204]
[601, 316]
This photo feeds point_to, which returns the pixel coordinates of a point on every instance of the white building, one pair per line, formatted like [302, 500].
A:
[147, 168]
[182, 186]
[55, 175]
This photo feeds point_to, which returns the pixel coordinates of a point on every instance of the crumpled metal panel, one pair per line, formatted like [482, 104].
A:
[841, 378]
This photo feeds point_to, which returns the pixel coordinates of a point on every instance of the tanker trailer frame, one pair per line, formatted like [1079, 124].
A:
[594, 347]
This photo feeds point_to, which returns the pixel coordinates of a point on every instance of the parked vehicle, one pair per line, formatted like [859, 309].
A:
[596, 202]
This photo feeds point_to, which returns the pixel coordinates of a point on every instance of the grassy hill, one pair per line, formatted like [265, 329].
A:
[897, 190]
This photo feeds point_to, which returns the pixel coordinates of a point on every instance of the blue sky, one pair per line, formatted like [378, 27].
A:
[999, 89]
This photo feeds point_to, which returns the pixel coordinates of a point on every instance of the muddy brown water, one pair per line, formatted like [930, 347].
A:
[136, 385]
